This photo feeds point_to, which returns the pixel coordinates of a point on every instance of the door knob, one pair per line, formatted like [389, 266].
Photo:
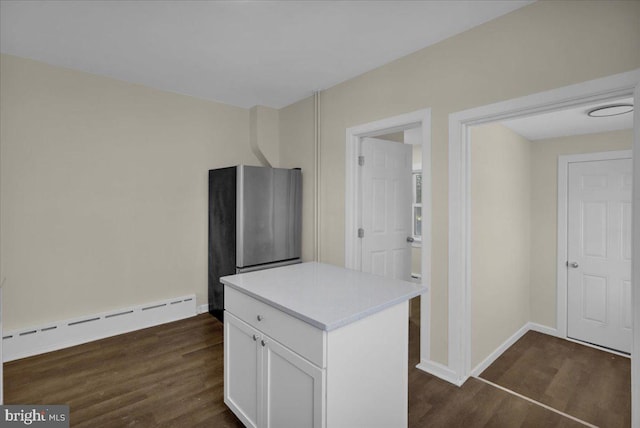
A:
[410, 239]
[255, 337]
[260, 317]
[263, 342]
[574, 264]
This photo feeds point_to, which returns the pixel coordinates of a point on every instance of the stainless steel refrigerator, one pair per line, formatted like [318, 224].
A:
[255, 222]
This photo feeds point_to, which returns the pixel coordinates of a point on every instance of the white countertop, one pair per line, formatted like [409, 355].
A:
[323, 295]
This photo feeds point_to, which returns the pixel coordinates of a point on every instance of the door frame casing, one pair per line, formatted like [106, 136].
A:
[352, 258]
[562, 298]
[460, 263]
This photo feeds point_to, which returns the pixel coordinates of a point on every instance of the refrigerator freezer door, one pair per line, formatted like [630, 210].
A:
[222, 233]
[269, 212]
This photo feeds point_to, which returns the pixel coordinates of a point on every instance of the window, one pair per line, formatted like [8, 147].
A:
[416, 206]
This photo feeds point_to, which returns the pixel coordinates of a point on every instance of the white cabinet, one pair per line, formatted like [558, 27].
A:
[282, 372]
[268, 385]
[242, 372]
[292, 388]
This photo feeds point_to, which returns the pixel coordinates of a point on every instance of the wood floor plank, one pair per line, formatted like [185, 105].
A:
[587, 383]
[172, 376]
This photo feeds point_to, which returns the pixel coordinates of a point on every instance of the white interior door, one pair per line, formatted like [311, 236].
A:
[599, 253]
[386, 208]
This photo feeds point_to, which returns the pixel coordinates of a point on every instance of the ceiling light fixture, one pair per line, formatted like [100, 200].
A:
[610, 110]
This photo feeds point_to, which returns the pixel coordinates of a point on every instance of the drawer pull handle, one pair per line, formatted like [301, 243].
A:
[260, 317]
[255, 337]
[263, 342]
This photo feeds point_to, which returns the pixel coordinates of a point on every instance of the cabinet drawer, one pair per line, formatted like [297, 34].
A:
[293, 333]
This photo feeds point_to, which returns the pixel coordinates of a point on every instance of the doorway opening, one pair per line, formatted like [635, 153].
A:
[412, 129]
[460, 203]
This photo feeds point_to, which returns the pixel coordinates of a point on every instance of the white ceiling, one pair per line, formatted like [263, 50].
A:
[242, 53]
[572, 121]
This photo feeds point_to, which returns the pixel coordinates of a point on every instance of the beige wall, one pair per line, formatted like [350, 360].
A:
[104, 190]
[500, 236]
[544, 209]
[416, 260]
[297, 126]
[542, 46]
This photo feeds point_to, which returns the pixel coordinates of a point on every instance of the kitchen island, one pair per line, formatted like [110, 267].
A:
[315, 345]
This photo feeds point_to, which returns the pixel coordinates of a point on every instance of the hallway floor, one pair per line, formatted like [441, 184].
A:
[589, 384]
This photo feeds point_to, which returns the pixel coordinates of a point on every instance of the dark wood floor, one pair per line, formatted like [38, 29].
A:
[587, 383]
[171, 376]
[434, 403]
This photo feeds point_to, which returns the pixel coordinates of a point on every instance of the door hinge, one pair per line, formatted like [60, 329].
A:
[361, 160]
[361, 233]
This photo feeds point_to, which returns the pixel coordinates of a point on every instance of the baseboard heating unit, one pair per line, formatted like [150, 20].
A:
[63, 334]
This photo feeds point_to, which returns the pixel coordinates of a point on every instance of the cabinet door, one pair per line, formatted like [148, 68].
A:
[242, 371]
[292, 389]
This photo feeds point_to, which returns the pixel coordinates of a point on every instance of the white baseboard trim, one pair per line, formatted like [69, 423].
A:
[529, 326]
[532, 326]
[554, 332]
[599, 348]
[544, 329]
[63, 334]
[445, 373]
[203, 308]
[441, 371]
[500, 350]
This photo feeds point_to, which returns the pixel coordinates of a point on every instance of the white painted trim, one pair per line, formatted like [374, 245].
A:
[439, 370]
[317, 188]
[459, 346]
[352, 190]
[352, 251]
[499, 350]
[619, 85]
[543, 329]
[599, 348]
[635, 268]
[203, 309]
[1, 364]
[563, 237]
[425, 321]
[531, 326]
[63, 334]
